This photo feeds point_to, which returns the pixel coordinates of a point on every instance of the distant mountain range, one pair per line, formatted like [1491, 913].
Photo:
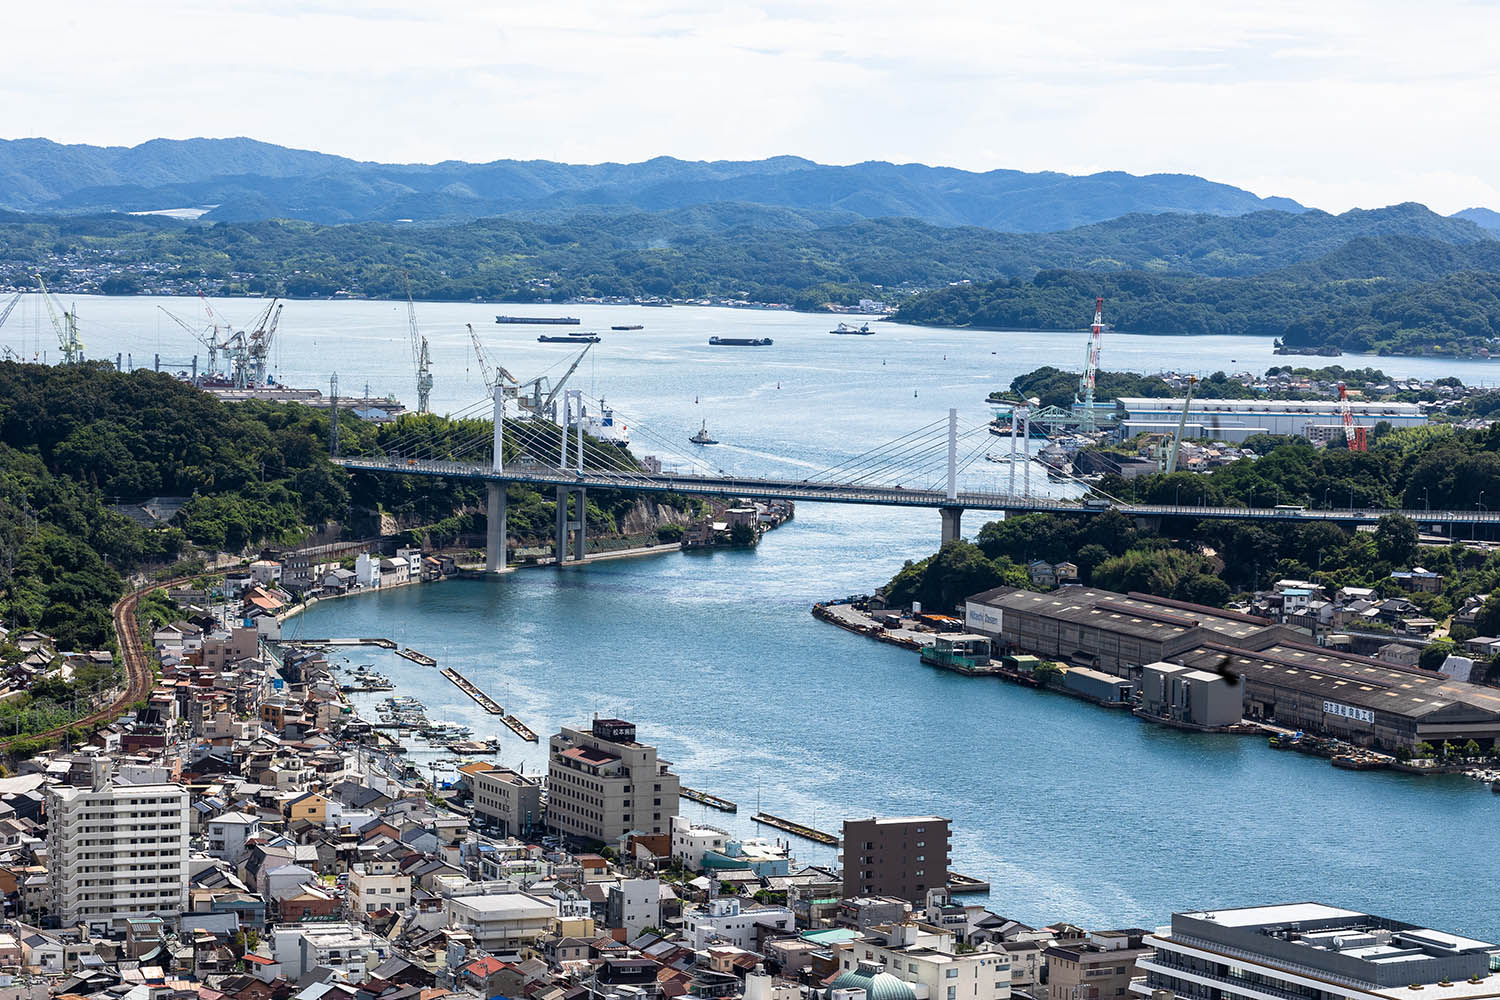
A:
[245, 180]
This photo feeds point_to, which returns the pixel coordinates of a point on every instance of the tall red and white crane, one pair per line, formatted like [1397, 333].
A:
[1083, 401]
[1354, 436]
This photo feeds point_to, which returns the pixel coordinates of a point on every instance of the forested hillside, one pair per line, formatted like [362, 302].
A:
[245, 180]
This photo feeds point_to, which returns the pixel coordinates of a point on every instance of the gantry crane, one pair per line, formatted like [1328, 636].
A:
[1354, 436]
[419, 353]
[66, 326]
[1090, 371]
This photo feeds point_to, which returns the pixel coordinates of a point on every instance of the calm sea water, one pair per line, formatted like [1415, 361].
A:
[1071, 811]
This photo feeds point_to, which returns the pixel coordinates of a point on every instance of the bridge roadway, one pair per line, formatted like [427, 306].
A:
[889, 496]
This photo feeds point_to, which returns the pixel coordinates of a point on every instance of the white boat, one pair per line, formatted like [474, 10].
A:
[703, 437]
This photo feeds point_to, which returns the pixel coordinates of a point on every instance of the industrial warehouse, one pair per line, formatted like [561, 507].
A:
[1188, 660]
[1234, 420]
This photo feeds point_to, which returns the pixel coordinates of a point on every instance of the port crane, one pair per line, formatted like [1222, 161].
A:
[1354, 436]
[66, 326]
[9, 307]
[490, 371]
[1181, 426]
[548, 406]
[419, 350]
[1085, 404]
[209, 339]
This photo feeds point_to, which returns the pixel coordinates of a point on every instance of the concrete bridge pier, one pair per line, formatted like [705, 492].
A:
[494, 535]
[579, 524]
[951, 517]
[575, 524]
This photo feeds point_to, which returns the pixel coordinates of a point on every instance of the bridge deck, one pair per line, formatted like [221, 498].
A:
[888, 496]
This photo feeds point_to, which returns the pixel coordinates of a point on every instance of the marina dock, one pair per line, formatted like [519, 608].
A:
[797, 829]
[382, 643]
[712, 801]
[467, 687]
[414, 656]
[519, 728]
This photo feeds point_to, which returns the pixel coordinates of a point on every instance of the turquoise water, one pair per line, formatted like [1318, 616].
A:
[1071, 811]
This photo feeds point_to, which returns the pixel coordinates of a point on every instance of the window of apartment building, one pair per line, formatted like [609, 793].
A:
[951, 973]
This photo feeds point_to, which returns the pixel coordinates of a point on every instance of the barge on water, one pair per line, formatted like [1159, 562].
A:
[572, 338]
[539, 320]
[712, 801]
[797, 829]
[739, 341]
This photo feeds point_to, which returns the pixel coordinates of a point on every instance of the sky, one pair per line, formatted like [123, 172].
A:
[1337, 104]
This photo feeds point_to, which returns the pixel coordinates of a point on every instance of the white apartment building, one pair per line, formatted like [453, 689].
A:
[690, 841]
[375, 886]
[349, 950]
[928, 961]
[117, 850]
[227, 834]
[729, 920]
[634, 904]
[602, 784]
[502, 923]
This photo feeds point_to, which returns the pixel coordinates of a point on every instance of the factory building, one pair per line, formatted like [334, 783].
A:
[1234, 420]
[1360, 700]
[1204, 667]
[1113, 633]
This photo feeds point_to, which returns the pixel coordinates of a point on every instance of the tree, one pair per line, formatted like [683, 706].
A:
[1396, 539]
[1471, 750]
[1434, 654]
[1424, 750]
[742, 534]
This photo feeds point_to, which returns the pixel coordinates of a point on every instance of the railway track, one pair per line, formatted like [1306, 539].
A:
[138, 676]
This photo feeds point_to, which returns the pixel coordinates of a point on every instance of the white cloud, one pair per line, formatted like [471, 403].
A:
[1337, 104]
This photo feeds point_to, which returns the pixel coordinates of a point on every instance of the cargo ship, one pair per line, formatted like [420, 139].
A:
[630, 326]
[539, 320]
[571, 338]
[845, 330]
[739, 341]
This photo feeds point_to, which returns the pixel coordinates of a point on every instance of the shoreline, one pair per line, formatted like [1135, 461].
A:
[873, 630]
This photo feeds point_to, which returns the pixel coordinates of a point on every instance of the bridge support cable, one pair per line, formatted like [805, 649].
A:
[875, 457]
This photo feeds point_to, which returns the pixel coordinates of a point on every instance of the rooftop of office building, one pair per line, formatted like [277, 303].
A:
[1378, 954]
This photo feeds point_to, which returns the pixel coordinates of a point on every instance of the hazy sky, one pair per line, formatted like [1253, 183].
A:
[1334, 103]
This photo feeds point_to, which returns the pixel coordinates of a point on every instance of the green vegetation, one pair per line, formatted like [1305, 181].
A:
[1213, 561]
[1400, 279]
[1056, 387]
[1456, 314]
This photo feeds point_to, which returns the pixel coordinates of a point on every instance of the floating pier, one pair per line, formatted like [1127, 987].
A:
[712, 801]
[415, 657]
[467, 687]
[382, 643]
[797, 829]
[961, 884]
[519, 728]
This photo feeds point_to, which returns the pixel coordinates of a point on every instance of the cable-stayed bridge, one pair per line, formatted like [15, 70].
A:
[948, 464]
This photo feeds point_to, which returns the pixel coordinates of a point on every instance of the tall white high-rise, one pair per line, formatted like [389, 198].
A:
[117, 849]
